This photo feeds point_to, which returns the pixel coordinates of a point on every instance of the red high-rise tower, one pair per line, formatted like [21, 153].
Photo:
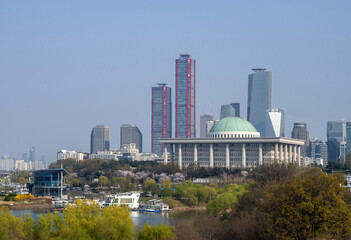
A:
[185, 97]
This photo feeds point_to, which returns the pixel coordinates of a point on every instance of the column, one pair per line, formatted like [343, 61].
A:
[290, 154]
[281, 155]
[243, 154]
[227, 165]
[211, 155]
[286, 157]
[276, 152]
[195, 155]
[172, 153]
[165, 153]
[298, 155]
[180, 156]
[260, 158]
[294, 155]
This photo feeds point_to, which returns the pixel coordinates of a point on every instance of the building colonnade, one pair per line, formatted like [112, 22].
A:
[267, 152]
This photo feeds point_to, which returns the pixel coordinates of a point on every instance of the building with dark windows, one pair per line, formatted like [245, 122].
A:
[129, 133]
[230, 110]
[336, 136]
[275, 123]
[232, 142]
[348, 138]
[161, 116]
[300, 131]
[185, 97]
[100, 139]
[259, 98]
[204, 118]
[49, 182]
[319, 149]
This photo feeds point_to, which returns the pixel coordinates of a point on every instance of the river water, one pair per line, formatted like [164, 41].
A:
[139, 218]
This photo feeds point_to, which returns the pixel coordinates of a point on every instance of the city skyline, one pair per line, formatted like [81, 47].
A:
[77, 69]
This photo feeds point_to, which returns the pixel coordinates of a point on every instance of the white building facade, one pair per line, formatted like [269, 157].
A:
[64, 154]
[275, 123]
[233, 142]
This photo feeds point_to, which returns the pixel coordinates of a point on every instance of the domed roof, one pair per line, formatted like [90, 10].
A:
[233, 124]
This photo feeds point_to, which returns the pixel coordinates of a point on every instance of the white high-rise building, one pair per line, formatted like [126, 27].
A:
[209, 125]
[6, 163]
[275, 123]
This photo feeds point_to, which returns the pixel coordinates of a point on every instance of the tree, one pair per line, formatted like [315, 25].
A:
[158, 232]
[12, 227]
[77, 183]
[103, 181]
[307, 206]
[151, 186]
[22, 180]
[86, 221]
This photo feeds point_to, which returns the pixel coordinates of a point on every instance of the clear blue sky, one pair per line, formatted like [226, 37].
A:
[66, 66]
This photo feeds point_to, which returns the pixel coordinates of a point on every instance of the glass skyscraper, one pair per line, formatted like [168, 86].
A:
[161, 120]
[100, 138]
[230, 110]
[259, 98]
[185, 97]
[300, 131]
[336, 134]
[129, 133]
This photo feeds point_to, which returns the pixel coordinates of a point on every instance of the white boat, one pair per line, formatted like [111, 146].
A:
[154, 205]
[130, 199]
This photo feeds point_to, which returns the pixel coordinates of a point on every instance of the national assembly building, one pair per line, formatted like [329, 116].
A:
[232, 142]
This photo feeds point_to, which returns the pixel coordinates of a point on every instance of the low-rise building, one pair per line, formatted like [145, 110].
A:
[49, 182]
[114, 155]
[64, 154]
[233, 142]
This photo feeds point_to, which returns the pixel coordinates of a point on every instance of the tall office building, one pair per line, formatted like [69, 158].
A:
[32, 154]
[275, 123]
[185, 97]
[161, 117]
[348, 138]
[300, 131]
[204, 118]
[259, 98]
[230, 110]
[319, 149]
[131, 134]
[336, 134]
[100, 139]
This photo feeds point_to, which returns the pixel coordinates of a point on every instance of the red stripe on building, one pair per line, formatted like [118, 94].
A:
[152, 127]
[176, 130]
[194, 98]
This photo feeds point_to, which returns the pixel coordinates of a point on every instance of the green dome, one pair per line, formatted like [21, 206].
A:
[233, 124]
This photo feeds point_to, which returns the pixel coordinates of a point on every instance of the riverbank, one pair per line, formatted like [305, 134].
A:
[32, 204]
[201, 208]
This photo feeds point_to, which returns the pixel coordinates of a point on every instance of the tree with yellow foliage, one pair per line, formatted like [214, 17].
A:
[310, 205]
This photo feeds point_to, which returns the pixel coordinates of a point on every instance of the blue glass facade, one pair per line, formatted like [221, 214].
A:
[230, 110]
[185, 97]
[161, 121]
[49, 182]
[336, 134]
[259, 98]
